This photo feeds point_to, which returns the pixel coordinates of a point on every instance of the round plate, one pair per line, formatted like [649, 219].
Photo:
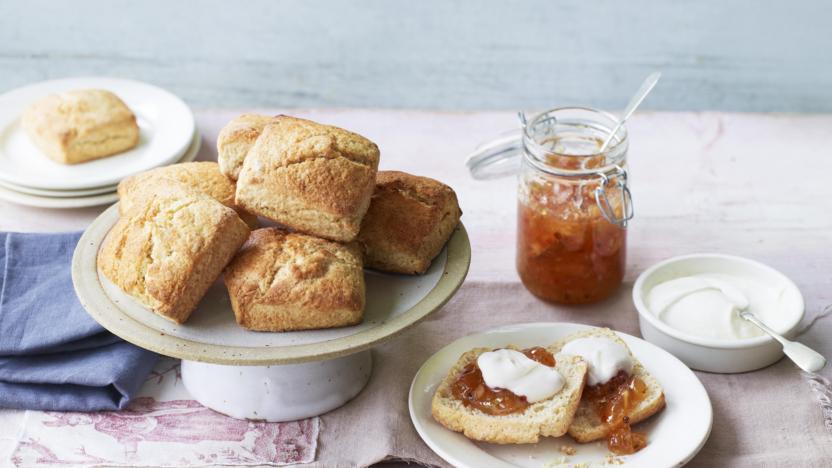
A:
[211, 334]
[59, 193]
[10, 193]
[166, 126]
[674, 436]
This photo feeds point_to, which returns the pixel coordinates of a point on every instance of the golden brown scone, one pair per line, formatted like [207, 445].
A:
[314, 178]
[79, 126]
[203, 176]
[236, 139]
[547, 418]
[587, 425]
[167, 250]
[282, 281]
[409, 220]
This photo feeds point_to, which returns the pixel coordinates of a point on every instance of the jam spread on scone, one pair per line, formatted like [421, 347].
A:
[471, 390]
[614, 400]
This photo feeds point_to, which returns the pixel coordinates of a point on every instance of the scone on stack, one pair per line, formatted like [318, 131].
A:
[181, 225]
[321, 185]
[79, 126]
[409, 220]
[236, 139]
[169, 247]
[281, 281]
[313, 178]
[204, 177]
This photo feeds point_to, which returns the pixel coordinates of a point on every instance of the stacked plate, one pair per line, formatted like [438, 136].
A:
[28, 177]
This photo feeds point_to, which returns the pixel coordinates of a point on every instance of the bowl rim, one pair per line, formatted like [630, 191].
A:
[644, 312]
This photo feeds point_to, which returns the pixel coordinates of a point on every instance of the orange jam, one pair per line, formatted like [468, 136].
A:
[471, 390]
[567, 252]
[613, 401]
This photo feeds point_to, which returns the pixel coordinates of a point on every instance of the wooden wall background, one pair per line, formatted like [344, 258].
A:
[738, 55]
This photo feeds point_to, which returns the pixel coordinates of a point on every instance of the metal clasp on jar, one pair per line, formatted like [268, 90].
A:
[618, 174]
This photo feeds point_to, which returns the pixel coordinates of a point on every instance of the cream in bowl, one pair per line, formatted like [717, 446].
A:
[690, 305]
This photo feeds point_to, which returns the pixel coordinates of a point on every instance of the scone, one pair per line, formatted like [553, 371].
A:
[167, 250]
[550, 417]
[587, 425]
[79, 126]
[282, 281]
[313, 178]
[409, 220]
[236, 139]
[204, 177]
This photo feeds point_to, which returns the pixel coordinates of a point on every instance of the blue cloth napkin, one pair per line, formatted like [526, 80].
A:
[53, 355]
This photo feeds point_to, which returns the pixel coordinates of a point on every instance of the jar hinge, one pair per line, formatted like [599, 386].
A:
[603, 201]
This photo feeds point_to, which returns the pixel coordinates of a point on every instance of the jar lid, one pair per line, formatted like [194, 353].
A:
[497, 158]
[539, 140]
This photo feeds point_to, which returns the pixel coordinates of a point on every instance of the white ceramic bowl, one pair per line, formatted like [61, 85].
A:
[709, 354]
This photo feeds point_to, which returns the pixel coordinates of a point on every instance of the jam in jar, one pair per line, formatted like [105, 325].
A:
[573, 201]
[471, 390]
[573, 207]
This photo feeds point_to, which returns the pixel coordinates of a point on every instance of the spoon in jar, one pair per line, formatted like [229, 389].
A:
[805, 357]
[635, 101]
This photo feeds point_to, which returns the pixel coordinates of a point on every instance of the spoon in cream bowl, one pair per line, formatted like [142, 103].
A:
[803, 356]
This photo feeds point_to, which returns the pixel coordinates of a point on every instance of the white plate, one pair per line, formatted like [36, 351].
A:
[59, 193]
[39, 201]
[165, 121]
[674, 436]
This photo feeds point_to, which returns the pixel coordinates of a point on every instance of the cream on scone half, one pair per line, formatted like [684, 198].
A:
[588, 425]
[549, 417]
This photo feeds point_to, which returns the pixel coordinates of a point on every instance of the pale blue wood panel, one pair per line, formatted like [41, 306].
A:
[726, 55]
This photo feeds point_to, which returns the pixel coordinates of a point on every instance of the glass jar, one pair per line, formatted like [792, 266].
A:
[573, 202]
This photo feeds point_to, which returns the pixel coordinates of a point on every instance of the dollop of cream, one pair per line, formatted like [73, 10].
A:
[708, 305]
[605, 357]
[514, 371]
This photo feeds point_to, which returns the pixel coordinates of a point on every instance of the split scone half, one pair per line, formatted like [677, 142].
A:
[282, 281]
[587, 425]
[78, 126]
[236, 139]
[203, 176]
[313, 178]
[549, 418]
[409, 220]
[170, 247]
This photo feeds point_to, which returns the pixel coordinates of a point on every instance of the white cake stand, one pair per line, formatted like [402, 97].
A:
[269, 376]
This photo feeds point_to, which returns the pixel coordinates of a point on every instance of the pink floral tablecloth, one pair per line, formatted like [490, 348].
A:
[162, 427]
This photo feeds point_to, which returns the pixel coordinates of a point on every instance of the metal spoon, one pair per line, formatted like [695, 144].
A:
[805, 357]
[635, 101]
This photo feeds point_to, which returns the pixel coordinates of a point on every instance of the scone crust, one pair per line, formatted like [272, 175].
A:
[78, 126]
[408, 222]
[168, 250]
[314, 178]
[203, 176]
[282, 281]
[236, 139]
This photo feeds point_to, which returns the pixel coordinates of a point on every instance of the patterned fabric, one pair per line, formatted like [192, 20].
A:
[162, 427]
